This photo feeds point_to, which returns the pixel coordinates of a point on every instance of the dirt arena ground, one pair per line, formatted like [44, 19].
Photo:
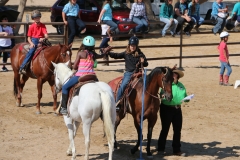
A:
[210, 121]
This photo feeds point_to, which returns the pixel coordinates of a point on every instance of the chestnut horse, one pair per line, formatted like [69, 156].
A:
[39, 68]
[159, 77]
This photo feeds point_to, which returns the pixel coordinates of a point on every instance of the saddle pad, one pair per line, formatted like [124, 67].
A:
[115, 83]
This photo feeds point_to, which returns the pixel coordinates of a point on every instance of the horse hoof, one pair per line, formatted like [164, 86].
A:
[69, 153]
[38, 112]
[19, 104]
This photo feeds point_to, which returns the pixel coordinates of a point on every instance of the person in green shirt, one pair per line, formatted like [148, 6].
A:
[171, 113]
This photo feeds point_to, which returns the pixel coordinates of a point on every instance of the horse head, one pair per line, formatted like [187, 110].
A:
[66, 54]
[62, 73]
[167, 81]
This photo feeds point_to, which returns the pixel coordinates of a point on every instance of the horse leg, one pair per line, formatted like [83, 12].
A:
[151, 123]
[137, 126]
[71, 134]
[20, 88]
[52, 85]
[119, 116]
[39, 86]
[86, 132]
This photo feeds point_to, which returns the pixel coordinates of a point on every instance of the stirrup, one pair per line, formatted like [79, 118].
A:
[22, 71]
[63, 111]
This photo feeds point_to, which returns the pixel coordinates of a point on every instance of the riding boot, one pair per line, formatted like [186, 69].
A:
[105, 58]
[197, 27]
[226, 81]
[221, 79]
[63, 109]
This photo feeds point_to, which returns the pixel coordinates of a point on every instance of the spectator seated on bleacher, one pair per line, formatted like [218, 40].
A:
[219, 14]
[181, 14]
[193, 12]
[166, 16]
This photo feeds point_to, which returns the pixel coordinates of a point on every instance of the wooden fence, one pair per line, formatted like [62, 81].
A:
[180, 45]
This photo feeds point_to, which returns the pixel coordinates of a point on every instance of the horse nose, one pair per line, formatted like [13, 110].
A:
[168, 96]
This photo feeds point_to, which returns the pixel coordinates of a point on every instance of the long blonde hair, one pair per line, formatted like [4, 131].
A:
[135, 53]
[193, 7]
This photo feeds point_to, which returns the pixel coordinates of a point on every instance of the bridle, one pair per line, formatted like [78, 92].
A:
[163, 82]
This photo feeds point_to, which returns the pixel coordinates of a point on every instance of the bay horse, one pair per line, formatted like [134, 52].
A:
[40, 68]
[159, 77]
[94, 100]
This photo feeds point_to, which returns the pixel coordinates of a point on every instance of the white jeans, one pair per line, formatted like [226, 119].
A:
[168, 25]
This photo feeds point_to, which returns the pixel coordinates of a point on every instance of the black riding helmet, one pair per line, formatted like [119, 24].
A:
[133, 40]
[35, 14]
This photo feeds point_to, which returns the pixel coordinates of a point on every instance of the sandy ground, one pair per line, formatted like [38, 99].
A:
[210, 121]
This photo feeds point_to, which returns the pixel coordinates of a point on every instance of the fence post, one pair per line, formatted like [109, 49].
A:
[180, 56]
[26, 27]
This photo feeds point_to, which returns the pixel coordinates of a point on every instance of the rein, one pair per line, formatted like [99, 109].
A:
[44, 59]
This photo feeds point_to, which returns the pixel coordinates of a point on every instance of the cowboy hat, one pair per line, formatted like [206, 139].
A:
[180, 73]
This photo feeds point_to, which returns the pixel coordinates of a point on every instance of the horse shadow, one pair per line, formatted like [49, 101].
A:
[191, 149]
[29, 105]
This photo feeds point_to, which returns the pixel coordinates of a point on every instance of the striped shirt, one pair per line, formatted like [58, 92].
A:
[85, 66]
[197, 8]
[138, 9]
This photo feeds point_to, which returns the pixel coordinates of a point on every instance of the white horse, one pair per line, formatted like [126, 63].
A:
[92, 100]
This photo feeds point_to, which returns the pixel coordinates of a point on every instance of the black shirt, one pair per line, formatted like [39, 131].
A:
[130, 60]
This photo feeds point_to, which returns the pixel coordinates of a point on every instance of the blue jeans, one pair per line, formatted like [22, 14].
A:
[223, 66]
[126, 78]
[197, 19]
[141, 24]
[113, 25]
[220, 24]
[5, 54]
[72, 23]
[30, 53]
[104, 42]
[71, 82]
[172, 26]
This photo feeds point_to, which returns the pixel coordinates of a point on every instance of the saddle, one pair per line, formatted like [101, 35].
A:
[88, 78]
[115, 84]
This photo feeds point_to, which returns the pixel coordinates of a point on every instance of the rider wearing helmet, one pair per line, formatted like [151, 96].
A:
[37, 32]
[224, 59]
[84, 64]
[133, 58]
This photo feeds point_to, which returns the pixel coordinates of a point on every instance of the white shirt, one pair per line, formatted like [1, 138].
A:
[105, 27]
[6, 42]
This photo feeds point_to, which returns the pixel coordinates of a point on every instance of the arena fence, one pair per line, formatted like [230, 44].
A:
[180, 45]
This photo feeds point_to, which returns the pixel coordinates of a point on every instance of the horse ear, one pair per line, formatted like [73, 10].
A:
[66, 63]
[174, 67]
[54, 64]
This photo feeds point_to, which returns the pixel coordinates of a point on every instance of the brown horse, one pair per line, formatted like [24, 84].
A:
[40, 68]
[159, 77]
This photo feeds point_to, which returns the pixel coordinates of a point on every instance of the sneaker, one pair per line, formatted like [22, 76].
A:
[188, 33]
[180, 154]
[172, 34]
[235, 29]
[178, 33]
[4, 69]
[22, 71]
[63, 111]
[163, 35]
[197, 29]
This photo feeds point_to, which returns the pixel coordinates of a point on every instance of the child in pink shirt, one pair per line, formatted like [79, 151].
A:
[224, 59]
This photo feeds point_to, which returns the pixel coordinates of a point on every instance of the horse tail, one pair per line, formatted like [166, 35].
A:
[109, 116]
[15, 91]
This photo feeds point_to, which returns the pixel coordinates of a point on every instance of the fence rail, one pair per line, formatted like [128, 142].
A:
[180, 45]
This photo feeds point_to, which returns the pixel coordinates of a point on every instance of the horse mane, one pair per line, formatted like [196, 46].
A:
[64, 69]
[157, 70]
